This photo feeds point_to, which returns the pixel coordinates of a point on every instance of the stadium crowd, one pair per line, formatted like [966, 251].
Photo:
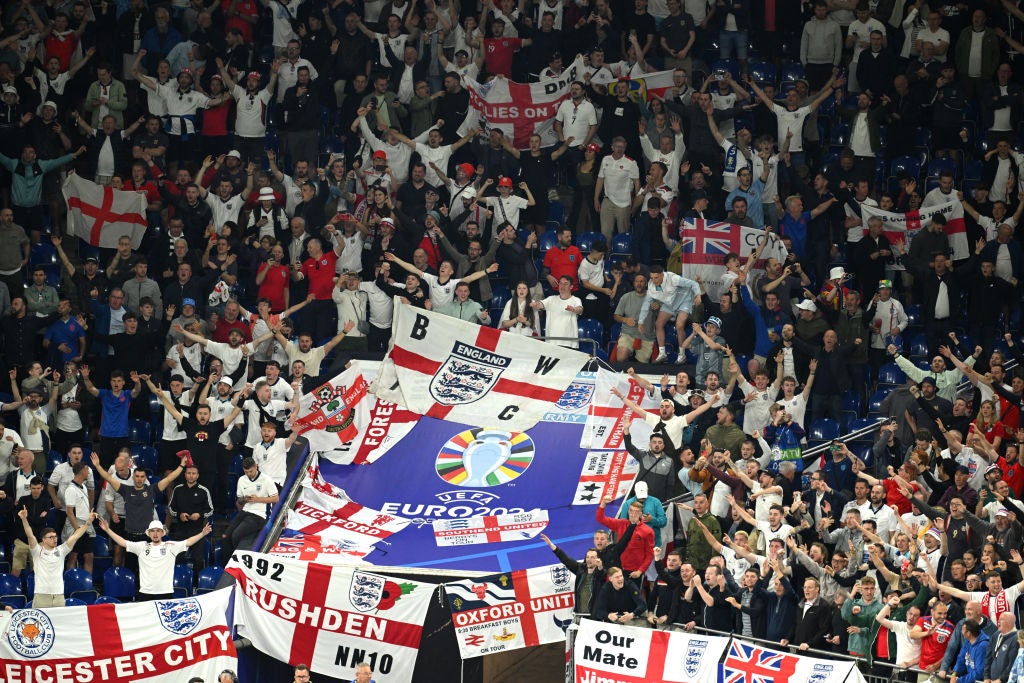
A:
[305, 162]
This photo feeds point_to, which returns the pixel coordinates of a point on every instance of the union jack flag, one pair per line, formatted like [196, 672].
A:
[747, 663]
[707, 242]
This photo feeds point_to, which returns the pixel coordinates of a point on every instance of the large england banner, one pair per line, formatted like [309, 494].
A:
[443, 367]
[626, 654]
[330, 618]
[903, 227]
[704, 244]
[344, 423]
[102, 215]
[520, 110]
[511, 610]
[164, 641]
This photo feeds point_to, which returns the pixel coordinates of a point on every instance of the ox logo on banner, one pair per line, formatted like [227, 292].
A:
[179, 616]
[467, 375]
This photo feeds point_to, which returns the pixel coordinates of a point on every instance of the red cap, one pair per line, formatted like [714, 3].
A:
[255, 74]
[380, 154]
[186, 457]
[504, 181]
[594, 147]
[468, 169]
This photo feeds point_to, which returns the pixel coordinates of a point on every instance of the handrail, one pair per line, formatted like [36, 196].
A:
[867, 429]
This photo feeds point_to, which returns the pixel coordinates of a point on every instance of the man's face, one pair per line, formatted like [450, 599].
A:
[191, 476]
[139, 478]
[600, 540]
[363, 674]
[305, 343]
[810, 590]
[700, 505]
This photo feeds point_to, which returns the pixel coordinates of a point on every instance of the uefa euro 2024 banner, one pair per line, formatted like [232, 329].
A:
[444, 471]
[164, 641]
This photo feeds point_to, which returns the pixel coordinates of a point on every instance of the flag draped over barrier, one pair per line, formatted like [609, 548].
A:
[164, 641]
[328, 617]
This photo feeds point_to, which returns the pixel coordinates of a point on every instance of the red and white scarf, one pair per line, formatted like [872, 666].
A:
[1002, 605]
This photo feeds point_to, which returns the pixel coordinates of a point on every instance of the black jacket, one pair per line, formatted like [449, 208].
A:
[812, 627]
[579, 570]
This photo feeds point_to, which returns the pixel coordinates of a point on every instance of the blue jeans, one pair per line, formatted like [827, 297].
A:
[732, 42]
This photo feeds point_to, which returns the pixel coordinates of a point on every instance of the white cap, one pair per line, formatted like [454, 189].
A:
[266, 193]
[225, 380]
[836, 273]
[52, 104]
[155, 525]
[640, 489]
[235, 153]
[10, 90]
[807, 305]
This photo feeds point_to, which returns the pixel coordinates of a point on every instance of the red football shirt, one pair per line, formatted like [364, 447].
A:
[320, 273]
[499, 54]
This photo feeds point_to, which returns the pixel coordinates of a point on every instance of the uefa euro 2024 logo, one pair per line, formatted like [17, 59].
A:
[481, 458]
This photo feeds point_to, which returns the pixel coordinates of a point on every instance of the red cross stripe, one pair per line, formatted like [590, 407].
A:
[913, 220]
[106, 633]
[104, 214]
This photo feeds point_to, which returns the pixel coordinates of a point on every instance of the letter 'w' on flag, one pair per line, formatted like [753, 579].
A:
[449, 369]
[102, 215]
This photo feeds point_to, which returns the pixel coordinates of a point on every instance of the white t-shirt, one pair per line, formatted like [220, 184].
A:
[62, 476]
[618, 175]
[279, 390]
[576, 120]
[172, 430]
[156, 565]
[926, 35]
[438, 155]
[507, 209]
[755, 412]
[262, 487]
[48, 566]
[592, 273]
[796, 406]
[182, 107]
[250, 112]
[33, 422]
[275, 409]
[560, 322]
[792, 121]
[77, 497]
[908, 650]
[230, 358]
[782, 533]
[272, 459]
[441, 294]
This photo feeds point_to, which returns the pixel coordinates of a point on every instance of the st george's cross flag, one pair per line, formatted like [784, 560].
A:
[329, 617]
[327, 511]
[163, 641]
[450, 369]
[903, 227]
[312, 548]
[102, 215]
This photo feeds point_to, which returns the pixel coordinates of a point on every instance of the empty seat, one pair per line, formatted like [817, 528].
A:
[119, 583]
[824, 429]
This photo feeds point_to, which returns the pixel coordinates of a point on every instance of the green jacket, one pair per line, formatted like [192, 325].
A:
[698, 550]
[945, 382]
[27, 181]
[117, 102]
[860, 642]
[990, 52]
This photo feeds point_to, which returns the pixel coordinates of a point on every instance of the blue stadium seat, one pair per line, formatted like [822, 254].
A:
[585, 240]
[840, 137]
[42, 254]
[622, 245]
[875, 400]
[793, 71]
[824, 429]
[184, 577]
[52, 460]
[217, 554]
[850, 401]
[913, 314]
[891, 374]
[101, 557]
[590, 329]
[106, 600]
[10, 584]
[140, 431]
[763, 72]
[78, 584]
[905, 164]
[119, 583]
[547, 240]
[923, 138]
[145, 457]
[861, 423]
[730, 65]
[209, 578]
[919, 346]
[556, 212]
[14, 600]
[500, 296]
[935, 166]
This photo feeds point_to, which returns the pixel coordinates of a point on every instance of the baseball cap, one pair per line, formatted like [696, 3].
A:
[928, 380]
[640, 489]
[51, 104]
[380, 154]
[594, 147]
[226, 380]
[505, 181]
[235, 153]
[387, 221]
[1002, 512]
[91, 258]
[468, 169]
[714, 320]
[885, 284]
[155, 525]
[807, 305]
[10, 90]
[188, 302]
[255, 74]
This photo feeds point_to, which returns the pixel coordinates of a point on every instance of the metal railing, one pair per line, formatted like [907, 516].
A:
[852, 436]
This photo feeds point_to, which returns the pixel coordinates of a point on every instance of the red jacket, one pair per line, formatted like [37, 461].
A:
[639, 552]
